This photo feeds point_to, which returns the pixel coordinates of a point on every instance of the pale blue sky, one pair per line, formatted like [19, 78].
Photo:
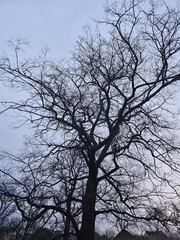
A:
[52, 23]
[55, 23]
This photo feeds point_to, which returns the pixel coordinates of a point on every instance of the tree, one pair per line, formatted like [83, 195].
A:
[10, 223]
[104, 142]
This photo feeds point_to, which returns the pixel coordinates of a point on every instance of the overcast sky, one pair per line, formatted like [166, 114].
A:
[55, 23]
[52, 23]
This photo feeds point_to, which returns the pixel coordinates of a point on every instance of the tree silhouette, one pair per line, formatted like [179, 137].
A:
[103, 143]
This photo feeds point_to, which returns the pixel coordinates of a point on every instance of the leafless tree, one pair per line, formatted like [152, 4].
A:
[104, 142]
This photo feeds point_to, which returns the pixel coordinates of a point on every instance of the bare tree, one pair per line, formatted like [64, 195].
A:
[104, 142]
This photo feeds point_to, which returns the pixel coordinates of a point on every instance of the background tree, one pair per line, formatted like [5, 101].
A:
[104, 142]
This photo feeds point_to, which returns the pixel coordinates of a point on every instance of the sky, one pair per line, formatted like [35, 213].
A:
[53, 23]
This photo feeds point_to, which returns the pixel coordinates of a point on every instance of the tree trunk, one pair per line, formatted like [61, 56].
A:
[88, 219]
[67, 222]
